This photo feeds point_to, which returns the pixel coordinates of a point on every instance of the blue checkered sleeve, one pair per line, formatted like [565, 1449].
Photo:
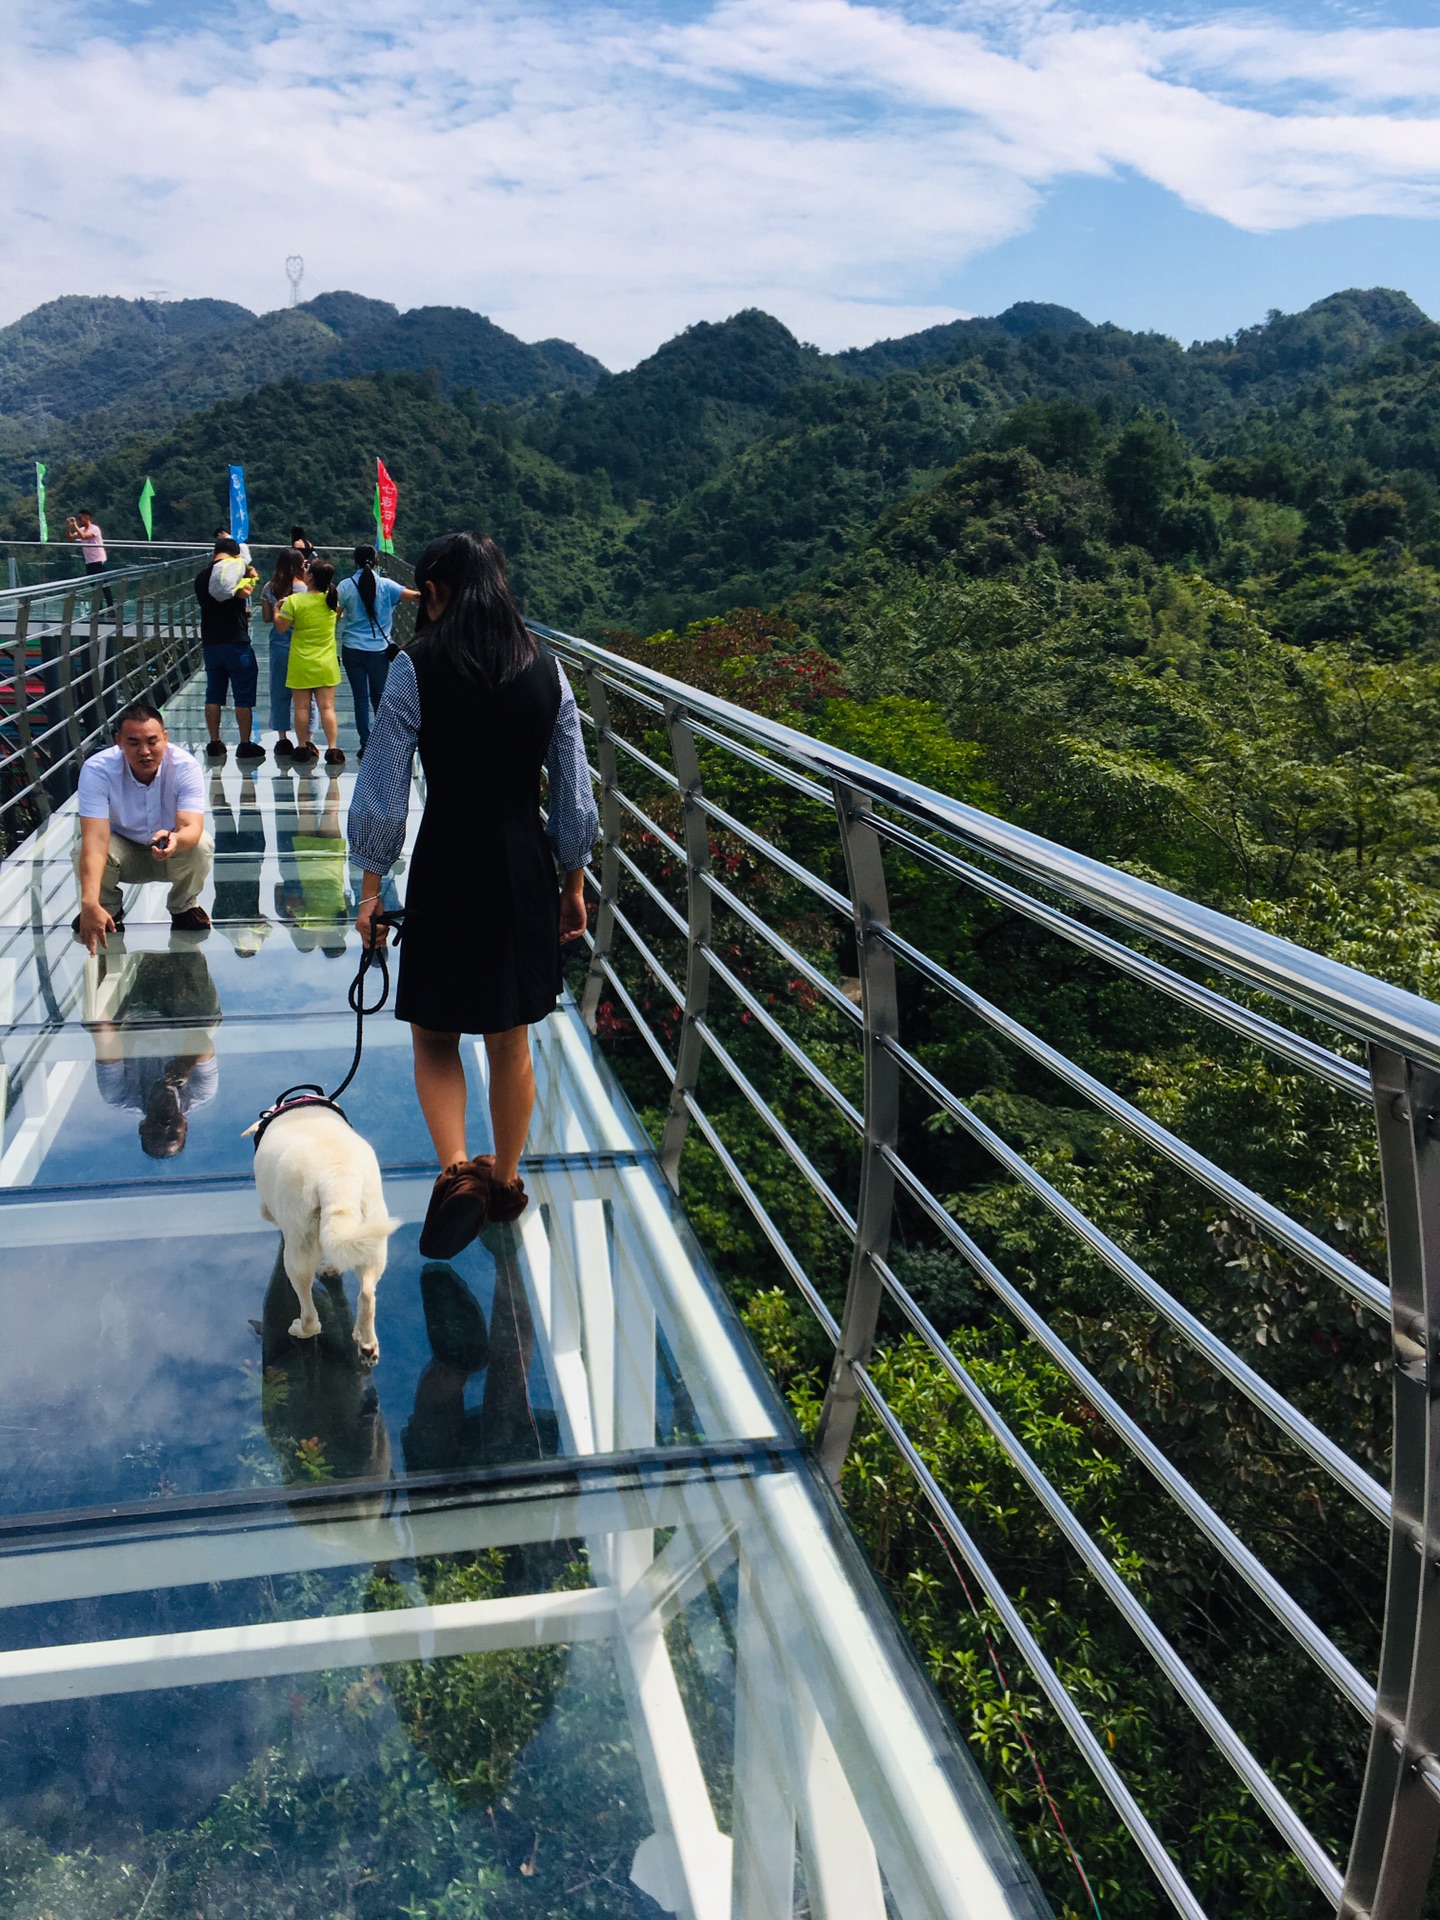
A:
[381, 800]
[574, 821]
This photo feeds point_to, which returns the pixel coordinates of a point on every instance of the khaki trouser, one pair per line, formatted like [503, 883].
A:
[137, 866]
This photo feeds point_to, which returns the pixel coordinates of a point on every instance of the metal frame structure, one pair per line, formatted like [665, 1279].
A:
[71, 661]
[1102, 912]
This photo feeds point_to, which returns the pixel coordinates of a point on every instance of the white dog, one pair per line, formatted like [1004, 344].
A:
[319, 1182]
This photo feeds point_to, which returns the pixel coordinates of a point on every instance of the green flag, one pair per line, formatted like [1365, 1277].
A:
[147, 496]
[40, 499]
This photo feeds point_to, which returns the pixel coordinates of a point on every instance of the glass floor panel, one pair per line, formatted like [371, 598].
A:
[645, 1693]
[545, 1613]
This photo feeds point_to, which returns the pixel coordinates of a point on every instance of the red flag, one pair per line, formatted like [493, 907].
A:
[389, 500]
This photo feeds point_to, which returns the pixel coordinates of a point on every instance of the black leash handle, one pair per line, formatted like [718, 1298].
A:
[372, 955]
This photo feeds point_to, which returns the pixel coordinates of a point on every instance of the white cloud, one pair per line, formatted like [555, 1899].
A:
[612, 173]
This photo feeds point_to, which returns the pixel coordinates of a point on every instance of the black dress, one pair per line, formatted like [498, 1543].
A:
[481, 946]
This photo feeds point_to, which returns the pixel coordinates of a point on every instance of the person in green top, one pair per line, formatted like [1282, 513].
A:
[314, 670]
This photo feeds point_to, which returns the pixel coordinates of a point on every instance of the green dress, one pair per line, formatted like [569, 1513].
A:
[313, 659]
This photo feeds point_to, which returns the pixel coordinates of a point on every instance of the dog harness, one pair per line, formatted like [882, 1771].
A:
[292, 1098]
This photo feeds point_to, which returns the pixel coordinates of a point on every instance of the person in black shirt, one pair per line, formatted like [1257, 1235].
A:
[223, 590]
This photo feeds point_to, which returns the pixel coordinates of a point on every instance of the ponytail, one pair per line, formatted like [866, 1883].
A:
[322, 580]
[365, 580]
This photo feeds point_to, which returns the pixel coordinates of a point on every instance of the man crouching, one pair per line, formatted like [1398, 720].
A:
[142, 817]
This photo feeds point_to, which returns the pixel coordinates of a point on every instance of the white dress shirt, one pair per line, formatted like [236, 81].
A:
[109, 791]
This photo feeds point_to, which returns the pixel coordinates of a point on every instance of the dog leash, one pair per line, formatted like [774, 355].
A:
[308, 1094]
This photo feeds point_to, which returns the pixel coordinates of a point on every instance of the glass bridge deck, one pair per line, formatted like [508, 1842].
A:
[547, 1614]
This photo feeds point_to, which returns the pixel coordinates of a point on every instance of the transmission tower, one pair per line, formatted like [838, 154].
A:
[295, 272]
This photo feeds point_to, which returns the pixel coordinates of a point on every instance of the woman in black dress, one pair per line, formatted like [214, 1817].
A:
[487, 707]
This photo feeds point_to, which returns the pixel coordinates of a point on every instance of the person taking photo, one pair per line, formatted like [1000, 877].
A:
[142, 818]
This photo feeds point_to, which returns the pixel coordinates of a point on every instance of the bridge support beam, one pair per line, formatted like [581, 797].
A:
[1399, 1818]
[865, 871]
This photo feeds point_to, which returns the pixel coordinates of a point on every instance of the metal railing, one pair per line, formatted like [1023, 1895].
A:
[73, 654]
[672, 889]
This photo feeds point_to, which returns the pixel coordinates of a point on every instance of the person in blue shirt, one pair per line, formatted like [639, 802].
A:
[367, 611]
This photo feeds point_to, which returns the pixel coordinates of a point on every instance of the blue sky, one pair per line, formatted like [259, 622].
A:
[612, 172]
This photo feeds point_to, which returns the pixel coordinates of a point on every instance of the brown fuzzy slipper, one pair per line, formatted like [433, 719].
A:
[456, 1212]
[507, 1203]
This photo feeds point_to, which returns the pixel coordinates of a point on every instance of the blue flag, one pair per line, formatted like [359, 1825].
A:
[239, 506]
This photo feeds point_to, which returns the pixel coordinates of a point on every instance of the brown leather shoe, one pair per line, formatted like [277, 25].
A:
[192, 920]
[508, 1202]
[456, 1212]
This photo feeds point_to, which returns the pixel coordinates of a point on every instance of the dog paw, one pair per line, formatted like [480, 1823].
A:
[369, 1350]
[304, 1330]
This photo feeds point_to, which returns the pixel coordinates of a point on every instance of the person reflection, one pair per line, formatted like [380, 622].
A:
[310, 894]
[443, 1433]
[152, 1018]
[239, 858]
[319, 1407]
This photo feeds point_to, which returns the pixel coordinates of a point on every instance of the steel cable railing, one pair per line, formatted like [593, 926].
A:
[870, 810]
[74, 652]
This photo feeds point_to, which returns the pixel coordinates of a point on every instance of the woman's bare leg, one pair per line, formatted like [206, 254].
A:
[440, 1085]
[302, 716]
[512, 1097]
[325, 700]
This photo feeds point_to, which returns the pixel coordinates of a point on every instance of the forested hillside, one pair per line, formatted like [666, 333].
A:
[1176, 607]
[77, 375]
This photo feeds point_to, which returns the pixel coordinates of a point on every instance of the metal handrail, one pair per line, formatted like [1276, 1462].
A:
[872, 810]
[75, 652]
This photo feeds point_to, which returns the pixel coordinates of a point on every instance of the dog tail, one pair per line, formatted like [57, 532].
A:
[347, 1232]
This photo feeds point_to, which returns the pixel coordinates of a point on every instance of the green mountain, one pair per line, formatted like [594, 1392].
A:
[78, 374]
[665, 425]
[76, 354]
[940, 345]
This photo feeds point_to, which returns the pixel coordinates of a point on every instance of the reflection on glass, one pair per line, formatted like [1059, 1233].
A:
[239, 857]
[443, 1433]
[320, 1410]
[161, 1075]
[314, 904]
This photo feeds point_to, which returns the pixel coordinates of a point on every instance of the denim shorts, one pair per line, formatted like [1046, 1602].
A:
[231, 668]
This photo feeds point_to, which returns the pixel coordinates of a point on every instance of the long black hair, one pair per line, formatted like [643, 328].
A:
[480, 632]
[365, 579]
[322, 580]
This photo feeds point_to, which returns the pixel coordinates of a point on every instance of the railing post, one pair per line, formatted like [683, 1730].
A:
[67, 695]
[608, 768]
[865, 870]
[696, 836]
[1399, 1817]
[20, 655]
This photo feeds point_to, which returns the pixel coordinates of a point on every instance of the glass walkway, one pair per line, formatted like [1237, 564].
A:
[549, 1613]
